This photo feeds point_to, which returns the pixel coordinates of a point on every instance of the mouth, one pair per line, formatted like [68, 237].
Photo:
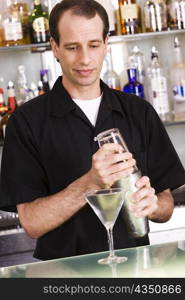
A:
[85, 72]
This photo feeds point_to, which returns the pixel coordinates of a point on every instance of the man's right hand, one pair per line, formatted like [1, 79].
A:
[109, 164]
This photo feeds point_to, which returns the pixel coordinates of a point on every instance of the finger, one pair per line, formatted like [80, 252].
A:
[143, 181]
[122, 166]
[104, 160]
[142, 193]
[110, 179]
[116, 176]
[145, 207]
[111, 147]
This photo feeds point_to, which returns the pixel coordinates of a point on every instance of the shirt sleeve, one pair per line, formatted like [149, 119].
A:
[165, 169]
[23, 177]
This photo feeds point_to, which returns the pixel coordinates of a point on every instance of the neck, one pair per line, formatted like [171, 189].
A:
[82, 92]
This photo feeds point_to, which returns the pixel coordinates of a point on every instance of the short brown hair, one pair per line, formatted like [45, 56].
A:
[87, 8]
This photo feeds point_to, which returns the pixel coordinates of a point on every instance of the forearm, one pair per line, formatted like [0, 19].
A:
[45, 214]
[165, 207]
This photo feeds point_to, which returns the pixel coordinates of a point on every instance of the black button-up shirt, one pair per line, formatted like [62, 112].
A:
[50, 142]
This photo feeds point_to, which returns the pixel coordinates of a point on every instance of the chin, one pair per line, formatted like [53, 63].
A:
[86, 81]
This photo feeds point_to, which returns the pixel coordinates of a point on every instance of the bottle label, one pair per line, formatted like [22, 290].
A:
[160, 95]
[129, 11]
[11, 93]
[13, 31]
[41, 24]
[1, 99]
[37, 2]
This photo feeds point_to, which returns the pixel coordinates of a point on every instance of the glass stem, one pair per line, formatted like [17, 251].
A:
[111, 243]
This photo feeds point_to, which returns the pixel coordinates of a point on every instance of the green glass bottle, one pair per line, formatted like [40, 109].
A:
[39, 24]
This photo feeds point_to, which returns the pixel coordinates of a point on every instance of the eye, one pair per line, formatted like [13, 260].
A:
[72, 48]
[94, 46]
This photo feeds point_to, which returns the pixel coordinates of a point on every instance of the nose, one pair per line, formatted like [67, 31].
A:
[85, 57]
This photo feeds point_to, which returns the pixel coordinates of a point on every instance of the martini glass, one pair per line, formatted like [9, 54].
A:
[106, 203]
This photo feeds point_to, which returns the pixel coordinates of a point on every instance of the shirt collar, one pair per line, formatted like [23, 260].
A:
[61, 102]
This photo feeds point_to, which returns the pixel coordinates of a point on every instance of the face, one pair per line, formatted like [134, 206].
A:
[81, 50]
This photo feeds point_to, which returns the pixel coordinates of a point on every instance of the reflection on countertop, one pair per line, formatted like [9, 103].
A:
[162, 260]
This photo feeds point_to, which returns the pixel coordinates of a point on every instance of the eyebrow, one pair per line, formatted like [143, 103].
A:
[76, 43]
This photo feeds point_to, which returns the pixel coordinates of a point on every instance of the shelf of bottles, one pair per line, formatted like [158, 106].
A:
[135, 21]
[112, 40]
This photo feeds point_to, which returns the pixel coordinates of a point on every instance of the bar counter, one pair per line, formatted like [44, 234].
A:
[161, 260]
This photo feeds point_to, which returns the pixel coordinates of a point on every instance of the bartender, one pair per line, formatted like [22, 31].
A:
[50, 159]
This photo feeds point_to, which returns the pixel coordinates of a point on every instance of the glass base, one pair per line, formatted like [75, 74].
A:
[112, 260]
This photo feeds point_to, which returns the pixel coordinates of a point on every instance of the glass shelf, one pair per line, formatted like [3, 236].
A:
[112, 40]
[174, 123]
[145, 35]
[32, 47]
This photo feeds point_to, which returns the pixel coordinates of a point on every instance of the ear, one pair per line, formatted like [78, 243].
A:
[54, 48]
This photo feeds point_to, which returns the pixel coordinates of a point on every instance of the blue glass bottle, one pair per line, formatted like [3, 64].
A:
[133, 86]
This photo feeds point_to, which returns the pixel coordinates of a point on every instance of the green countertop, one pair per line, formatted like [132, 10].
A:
[162, 260]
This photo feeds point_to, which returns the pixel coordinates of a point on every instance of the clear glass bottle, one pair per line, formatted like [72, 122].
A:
[22, 7]
[39, 23]
[22, 86]
[176, 14]
[158, 87]
[133, 86]
[12, 26]
[111, 78]
[129, 16]
[155, 15]
[136, 59]
[178, 82]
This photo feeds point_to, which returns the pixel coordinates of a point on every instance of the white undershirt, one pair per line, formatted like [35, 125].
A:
[90, 108]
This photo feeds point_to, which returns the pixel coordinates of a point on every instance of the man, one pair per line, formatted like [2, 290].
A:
[50, 159]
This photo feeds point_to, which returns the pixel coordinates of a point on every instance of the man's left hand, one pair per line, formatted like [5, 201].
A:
[144, 201]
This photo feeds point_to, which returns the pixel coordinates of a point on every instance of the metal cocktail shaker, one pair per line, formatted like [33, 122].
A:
[136, 226]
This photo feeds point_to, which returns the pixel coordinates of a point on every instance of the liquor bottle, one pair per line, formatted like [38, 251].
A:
[22, 7]
[155, 15]
[3, 87]
[39, 23]
[3, 107]
[110, 77]
[176, 14]
[158, 89]
[22, 86]
[107, 4]
[129, 16]
[34, 89]
[136, 59]
[12, 27]
[45, 80]
[133, 86]
[178, 82]
[1, 31]
[12, 103]
[40, 88]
